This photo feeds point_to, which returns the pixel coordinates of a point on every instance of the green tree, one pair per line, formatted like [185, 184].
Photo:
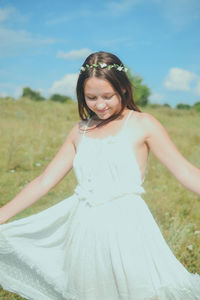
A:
[141, 91]
[166, 105]
[60, 98]
[197, 106]
[183, 106]
[154, 105]
[33, 95]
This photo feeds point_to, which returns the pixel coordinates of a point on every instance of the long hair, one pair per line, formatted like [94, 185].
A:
[118, 79]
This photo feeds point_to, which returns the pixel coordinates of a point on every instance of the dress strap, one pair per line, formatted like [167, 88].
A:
[86, 126]
[126, 120]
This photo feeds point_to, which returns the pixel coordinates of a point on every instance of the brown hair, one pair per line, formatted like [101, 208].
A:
[118, 79]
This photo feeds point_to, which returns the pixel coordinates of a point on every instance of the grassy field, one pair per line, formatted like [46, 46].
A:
[32, 133]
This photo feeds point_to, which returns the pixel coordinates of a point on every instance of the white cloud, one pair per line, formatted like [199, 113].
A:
[67, 17]
[179, 79]
[157, 98]
[65, 86]
[6, 12]
[18, 92]
[61, 19]
[179, 13]
[120, 7]
[11, 14]
[9, 37]
[74, 54]
[6, 85]
[15, 41]
[9, 89]
[197, 89]
[3, 94]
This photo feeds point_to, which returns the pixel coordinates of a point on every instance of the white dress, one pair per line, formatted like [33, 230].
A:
[101, 243]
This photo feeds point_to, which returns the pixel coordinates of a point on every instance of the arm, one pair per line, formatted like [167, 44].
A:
[164, 149]
[41, 185]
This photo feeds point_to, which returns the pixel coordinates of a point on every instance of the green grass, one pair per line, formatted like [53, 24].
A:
[32, 133]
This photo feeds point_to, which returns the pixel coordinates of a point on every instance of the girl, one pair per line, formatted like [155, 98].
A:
[102, 243]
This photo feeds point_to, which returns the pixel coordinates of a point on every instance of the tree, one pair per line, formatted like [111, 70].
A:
[183, 106]
[141, 91]
[197, 106]
[33, 95]
[166, 105]
[60, 98]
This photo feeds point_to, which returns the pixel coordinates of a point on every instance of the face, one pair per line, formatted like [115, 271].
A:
[101, 97]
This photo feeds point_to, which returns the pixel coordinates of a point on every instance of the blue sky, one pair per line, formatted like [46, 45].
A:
[43, 44]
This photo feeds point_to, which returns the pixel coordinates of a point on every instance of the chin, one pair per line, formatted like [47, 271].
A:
[102, 116]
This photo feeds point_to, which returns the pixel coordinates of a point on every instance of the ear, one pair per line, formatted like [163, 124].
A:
[124, 91]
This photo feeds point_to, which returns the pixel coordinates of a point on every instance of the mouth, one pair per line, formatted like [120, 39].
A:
[102, 111]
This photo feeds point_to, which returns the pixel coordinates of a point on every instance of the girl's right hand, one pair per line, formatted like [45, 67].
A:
[2, 219]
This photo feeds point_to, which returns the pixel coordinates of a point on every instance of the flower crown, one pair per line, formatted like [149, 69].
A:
[102, 66]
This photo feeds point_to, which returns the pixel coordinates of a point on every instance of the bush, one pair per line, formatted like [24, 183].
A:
[33, 95]
[166, 105]
[60, 98]
[141, 91]
[154, 105]
[8, 98]
[197, 106]
[183, 106]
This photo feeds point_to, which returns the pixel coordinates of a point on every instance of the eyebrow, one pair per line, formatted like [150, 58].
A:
[104, 94]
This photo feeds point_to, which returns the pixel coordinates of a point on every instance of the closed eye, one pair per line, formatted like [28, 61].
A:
[108, 97]
[91, 98]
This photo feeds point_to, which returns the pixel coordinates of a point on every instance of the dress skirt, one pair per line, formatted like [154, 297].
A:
[72, 251]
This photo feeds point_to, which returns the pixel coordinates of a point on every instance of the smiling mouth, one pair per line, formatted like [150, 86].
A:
[102, 112]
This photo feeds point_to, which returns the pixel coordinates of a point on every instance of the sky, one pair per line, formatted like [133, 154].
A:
[43, 44]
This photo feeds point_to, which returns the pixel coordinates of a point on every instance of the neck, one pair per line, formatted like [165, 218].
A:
[98, 120]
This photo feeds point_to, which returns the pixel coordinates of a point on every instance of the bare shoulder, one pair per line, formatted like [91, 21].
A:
[147, 122]
[77, 128]
[144, 118]
[77, 131]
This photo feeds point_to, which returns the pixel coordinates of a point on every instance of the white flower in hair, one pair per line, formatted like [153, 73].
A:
[125, 69]
[103, 65]
[120, 68]
[82, 69]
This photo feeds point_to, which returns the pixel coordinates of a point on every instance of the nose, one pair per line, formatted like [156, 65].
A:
[100, 104]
